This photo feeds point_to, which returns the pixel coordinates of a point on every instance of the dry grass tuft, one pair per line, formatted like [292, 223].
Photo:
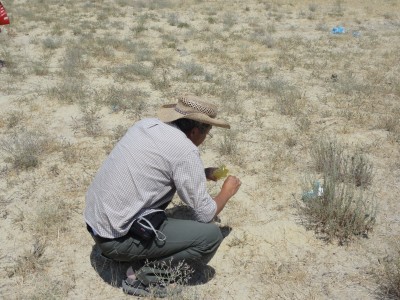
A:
[14, 118]
[50, 288]
[389, 275]
[90, 121]
[290, 102]
[339, 212]
[228, 145]
[32, 261]
[282, 78]
[122, 99]
[337, 208]
[49, 216]
[69, 91]
[24, 149]
[330, 157]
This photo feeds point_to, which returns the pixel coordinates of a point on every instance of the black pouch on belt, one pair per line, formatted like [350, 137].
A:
[146, 227]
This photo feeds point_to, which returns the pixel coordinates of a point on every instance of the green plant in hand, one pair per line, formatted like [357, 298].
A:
[221, 172]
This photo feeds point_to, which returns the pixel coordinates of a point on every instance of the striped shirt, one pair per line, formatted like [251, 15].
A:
[147, 166]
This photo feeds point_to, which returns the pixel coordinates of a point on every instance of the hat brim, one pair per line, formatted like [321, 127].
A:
[167, 113]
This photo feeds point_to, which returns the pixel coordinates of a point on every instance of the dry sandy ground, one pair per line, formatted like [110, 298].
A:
[77, 74]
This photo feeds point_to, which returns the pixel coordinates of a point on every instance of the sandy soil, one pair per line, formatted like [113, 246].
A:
[77, 74]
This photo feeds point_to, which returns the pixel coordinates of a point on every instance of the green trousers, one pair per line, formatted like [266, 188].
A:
[185, 240]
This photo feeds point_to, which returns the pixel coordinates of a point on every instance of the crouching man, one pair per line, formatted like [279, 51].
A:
[125, 203]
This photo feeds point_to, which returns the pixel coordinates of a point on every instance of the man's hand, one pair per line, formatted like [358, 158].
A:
[210, 173]
[229, 188]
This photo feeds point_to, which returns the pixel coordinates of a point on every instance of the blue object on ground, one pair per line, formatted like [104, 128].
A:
[317, 191]
[338, 30]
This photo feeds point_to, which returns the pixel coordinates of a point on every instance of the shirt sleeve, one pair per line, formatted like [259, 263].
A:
[190, 183]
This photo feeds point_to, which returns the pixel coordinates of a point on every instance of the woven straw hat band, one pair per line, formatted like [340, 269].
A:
[187, 106]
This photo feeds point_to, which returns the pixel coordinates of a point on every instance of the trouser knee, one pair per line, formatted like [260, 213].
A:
[214, 236]
[210, 242]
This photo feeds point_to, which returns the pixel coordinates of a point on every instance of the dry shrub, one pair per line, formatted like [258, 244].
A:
[24, 149]
[90, 121]
[51, 217]
[50, 288]
[75, 59]
[179, 273]
[338, 208]
[122, 99]
[30, 262]
[360, 170]
[70, 152]
[14, 118]
[132, 72]
[191, 69]
[169, 271]
[389, 278]
[340, 211]
[69, 91]
[290, 102]
[329, 157]
[228, 145]
[391, 123]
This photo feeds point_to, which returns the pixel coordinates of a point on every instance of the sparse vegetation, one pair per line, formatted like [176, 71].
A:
[228, 145]
[290, 102]
[90, 121]
[330, 157]
[14, 118]
[69, 91]
[46, 223]
[23, 150]
[121, 99]
[338, 208]
[389, 276]
[300, 100]
[31, 261]
[340, 212]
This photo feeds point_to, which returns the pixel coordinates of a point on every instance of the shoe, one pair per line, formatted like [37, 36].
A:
[148, 275]
[137, 288]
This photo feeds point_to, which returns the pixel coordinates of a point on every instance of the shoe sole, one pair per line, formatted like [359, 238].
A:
[139, 289]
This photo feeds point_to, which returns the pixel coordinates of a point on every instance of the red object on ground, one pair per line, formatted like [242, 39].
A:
[4, 20]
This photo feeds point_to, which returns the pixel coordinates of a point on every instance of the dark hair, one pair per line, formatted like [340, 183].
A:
[186, 125]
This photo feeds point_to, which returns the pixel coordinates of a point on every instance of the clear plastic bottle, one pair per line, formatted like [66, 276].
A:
[317, 191]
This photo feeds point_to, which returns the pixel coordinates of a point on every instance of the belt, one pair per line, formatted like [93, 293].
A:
[95, 236]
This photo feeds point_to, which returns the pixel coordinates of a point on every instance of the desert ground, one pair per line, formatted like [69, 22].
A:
[75, 75]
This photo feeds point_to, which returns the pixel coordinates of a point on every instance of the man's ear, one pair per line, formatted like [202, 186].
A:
[194, 131]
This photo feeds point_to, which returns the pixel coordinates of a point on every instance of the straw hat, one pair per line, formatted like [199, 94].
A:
[193, 108]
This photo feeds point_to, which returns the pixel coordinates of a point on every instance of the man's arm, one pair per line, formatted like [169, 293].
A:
[229, 188]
